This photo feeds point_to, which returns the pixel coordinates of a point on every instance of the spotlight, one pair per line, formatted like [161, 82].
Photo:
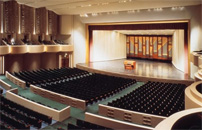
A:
[181, 8]
[114, 12]
[174, 8]
[131, 11]
[94, 14]
[83, 15]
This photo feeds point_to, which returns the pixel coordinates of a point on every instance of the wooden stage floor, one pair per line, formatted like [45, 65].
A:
[150, 70]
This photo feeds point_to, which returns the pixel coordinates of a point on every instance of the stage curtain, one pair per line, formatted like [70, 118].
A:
[107, 45]
[178, 54]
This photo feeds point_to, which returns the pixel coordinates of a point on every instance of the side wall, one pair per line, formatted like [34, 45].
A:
[107, 45]
[178, 51]
[16, 63]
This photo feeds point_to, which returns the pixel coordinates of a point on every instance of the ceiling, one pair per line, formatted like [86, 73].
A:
[76, 7]
[146, 32]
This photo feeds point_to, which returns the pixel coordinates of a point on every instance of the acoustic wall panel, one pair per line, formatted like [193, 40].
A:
[155, 44]
[127, 46]
[11, 17]
[41, 21]
[52, 23]
[147, 45]
[132, 40]
[27, 19]
[150, 46]
[159, 46]
[136, 45]
[165, 46]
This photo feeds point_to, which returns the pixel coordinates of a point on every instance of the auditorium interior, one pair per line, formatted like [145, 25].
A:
[101, 64]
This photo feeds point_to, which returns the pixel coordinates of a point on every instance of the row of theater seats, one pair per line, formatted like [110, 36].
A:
[199, 88]
[16, 116]
[91, 88]
[1, 90]
[38, 102]
[84, 125]
[49, 75]
[156, 98]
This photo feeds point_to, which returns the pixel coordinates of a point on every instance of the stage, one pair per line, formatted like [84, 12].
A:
[146, 70]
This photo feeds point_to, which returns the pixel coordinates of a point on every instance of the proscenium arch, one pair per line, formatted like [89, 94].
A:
[153, 25]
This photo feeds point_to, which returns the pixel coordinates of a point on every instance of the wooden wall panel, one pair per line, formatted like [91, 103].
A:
[27, 19]
[150, 46]
[11, 17]
[40, 21]
[52, 23]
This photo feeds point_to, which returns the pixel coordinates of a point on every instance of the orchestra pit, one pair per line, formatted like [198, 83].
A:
[101, 64]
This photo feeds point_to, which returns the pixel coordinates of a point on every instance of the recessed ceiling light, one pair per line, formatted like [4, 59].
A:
[94, 14]
[181, 8]
[131, 11]
[83, 15]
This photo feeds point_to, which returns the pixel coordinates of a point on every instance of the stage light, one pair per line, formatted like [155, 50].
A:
[131, 11]
[114, 12]
[174, 8]
[94, 14]
[181, 8]
[83, 15]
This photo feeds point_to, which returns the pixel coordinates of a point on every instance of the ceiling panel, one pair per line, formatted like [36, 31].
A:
[146, 32]
[75, 7]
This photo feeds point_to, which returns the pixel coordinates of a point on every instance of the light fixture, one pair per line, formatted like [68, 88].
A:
[158, 9]
[122, 1]
[174, 8]
[181, 8]
[105, 3]
[94, 14]
[114, 12]
[83, 15]
[86, 5]
[131, 11]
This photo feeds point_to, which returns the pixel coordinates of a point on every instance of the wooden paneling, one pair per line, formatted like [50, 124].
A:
[150, 46]
[40, 20]
[11, 17]
[52, 23]
[27, 19]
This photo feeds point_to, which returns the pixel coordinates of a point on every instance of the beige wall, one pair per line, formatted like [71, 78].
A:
[178, 54]
[107, 45]
[79, 41]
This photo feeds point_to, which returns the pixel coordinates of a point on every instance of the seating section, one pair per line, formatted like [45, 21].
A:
[15, 116]
[48, 42]
[156, 98]
[91, 88]
[199, 88]
[1, 90]
[60, 42]
[81, 125]
[49, 75]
